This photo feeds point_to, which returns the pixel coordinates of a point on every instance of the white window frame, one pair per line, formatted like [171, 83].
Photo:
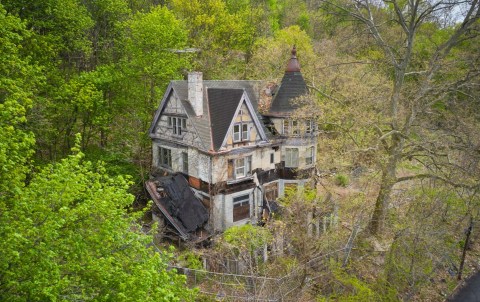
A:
[237, 132]
[291, 157]
[241, 200]
[241, 132]
[185, 162]
[245, 132]
[286, 127]
[240, 167]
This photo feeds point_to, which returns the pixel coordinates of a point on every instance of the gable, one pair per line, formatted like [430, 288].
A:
[175, 120]
[243, 130]
[230, 109]
[222, 106]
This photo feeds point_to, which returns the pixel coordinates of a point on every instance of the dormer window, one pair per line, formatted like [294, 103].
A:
[240, 132]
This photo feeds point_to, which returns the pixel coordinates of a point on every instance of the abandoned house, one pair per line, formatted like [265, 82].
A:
[209, 138]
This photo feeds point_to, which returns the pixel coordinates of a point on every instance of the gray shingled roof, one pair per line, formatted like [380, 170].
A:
[222, 104]
[292, 86]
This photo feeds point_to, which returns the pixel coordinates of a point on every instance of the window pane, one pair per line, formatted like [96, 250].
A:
[291, 157]
[240, 167]
[236, 133]
[184, 123]
[285, 126]
[244, 131]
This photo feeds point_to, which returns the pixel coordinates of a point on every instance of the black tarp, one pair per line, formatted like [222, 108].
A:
[182, 202]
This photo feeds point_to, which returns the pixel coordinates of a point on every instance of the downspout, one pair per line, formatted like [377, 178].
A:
[212, 200]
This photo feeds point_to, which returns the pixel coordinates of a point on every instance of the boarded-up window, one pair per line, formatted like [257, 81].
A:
[241, 207]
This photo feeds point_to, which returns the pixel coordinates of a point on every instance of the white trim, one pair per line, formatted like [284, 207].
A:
[256, 122]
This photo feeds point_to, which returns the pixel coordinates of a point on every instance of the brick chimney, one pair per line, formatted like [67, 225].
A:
[195, 91]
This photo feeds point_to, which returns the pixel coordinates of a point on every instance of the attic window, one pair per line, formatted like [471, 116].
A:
[177, 124]
[240, 132]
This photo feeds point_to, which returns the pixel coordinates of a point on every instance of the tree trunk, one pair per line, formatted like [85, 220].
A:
[376, 223]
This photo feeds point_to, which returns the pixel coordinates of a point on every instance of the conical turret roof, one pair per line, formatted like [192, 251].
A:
[292, 86]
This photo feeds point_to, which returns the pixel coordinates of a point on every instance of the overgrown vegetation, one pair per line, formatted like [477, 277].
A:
[396, 86]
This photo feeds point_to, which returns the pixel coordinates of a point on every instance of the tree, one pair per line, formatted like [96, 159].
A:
[224, 33]
[418, 82]
[149, 60]
[18, 80]
[68, 236]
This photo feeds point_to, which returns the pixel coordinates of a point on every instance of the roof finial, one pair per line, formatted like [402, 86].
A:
[293, 64]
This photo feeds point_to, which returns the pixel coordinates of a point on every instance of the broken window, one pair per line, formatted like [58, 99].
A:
[164, 157]
[286, 127]
[291, 157]
[291, 127]
[241, 207]
[185, 162]
[295, 130]
[310, 155]
[308, 126]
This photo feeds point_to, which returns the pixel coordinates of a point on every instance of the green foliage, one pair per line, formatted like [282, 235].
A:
[271, 54]
[342, 180]
[68, 236]
[18, 79]
[346, 286]
[247, 237]
[190, 259]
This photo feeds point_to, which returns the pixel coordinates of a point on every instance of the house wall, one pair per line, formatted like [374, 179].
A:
[223, 209]
[198, 163]
[260, 160]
